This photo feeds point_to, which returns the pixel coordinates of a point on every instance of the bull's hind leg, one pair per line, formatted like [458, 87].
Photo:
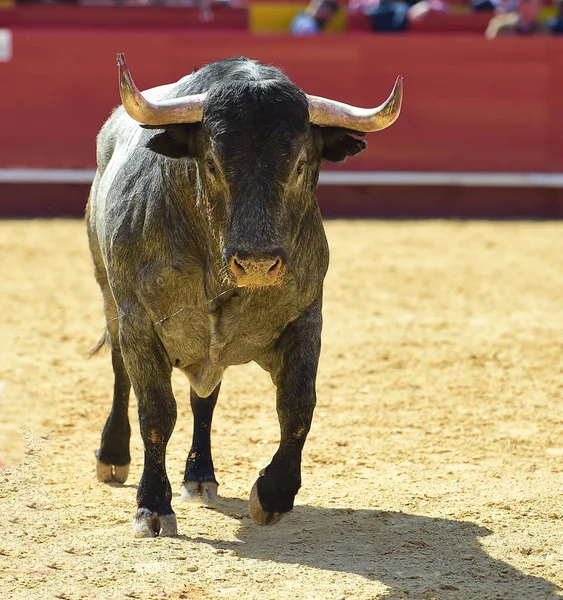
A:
[150, 370]
[199, 483]
[113, 456]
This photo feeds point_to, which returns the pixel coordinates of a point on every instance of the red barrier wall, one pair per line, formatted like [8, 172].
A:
[119, 17]
[69, 200]
[470, 104]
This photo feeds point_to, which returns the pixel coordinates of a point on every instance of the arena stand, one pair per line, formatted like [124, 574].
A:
[480, 133]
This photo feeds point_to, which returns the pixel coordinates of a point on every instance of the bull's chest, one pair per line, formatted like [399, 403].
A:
[203, 343]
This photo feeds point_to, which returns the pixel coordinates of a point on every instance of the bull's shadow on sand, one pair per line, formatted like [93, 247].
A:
[416, 557]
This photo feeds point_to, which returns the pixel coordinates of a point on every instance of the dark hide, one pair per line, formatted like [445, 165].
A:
[167, 211]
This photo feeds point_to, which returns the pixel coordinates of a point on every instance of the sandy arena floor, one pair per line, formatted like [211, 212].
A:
[434, 468]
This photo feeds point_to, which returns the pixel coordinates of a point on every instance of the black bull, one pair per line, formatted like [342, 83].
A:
[209, 249]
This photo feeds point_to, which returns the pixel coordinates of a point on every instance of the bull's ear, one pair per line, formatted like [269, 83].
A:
[176, 141]
[338, 143]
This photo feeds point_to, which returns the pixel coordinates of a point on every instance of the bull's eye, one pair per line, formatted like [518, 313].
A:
[301, 167]
[211, 166]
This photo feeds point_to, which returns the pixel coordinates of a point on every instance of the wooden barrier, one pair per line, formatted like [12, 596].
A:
[470, 105]
[119, 17]
[384, 202]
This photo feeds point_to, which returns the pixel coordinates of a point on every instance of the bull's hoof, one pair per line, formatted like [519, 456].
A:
[148, 524]
[257, 513]
[203, 492]
[111, 473]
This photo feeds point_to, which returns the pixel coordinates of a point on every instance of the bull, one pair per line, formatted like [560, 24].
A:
[209, 249]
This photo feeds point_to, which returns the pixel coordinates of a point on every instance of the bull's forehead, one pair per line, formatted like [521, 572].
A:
[257, 144]
[257, 124]
[261, 140]
[256, 110]
[251, 123]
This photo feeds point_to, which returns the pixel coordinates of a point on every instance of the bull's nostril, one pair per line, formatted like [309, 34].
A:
[275, 266]
[237, 266]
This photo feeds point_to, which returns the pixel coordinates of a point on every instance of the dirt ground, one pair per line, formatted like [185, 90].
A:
[434, 468]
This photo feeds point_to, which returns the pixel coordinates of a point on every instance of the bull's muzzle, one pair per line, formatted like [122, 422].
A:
[256, 270]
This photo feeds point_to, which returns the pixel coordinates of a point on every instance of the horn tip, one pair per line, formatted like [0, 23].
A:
[121, 59]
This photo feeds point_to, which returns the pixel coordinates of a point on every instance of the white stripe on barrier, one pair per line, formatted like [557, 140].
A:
[550, 180]
[408, 178]
[5, 45]
[47, 175]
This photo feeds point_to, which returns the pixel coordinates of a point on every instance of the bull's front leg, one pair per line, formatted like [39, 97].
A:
[294, 372]
[199, 477]
[150, 372]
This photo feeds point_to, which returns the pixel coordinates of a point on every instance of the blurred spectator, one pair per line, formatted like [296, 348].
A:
[313, 20]
[525, 20]
[385, 15]
[420, 10]
[497, 6]
[388, 15]
[555, 24]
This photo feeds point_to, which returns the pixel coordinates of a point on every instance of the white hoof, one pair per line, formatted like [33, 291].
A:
[111, 473]
[147, 524]
[120, 474]
[204, 492]
[104, 472]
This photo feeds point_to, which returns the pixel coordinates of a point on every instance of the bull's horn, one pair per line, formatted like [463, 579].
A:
[330, 113]
[188, 109]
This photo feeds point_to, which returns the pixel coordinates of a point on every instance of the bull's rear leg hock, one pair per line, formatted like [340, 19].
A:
[274, 491]
[113, 457]
[199, 483]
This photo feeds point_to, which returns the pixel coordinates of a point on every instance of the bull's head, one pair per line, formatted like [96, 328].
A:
[258, 144]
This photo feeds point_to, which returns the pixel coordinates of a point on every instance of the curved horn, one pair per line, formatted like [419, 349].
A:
[188, 109]
[331, 113]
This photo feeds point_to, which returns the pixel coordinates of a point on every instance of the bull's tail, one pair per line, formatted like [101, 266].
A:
[98, 346]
